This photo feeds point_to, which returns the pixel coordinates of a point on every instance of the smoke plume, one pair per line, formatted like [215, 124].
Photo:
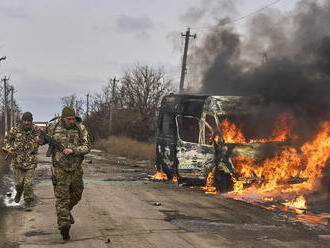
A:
[284, 57]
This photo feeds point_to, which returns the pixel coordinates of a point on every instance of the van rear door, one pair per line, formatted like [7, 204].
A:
[166, 144]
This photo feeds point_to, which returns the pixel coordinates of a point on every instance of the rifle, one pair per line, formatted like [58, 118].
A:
[54, 180]
[53, 146]
[8, 152]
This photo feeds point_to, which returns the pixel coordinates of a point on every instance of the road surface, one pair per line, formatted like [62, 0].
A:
[120, 208]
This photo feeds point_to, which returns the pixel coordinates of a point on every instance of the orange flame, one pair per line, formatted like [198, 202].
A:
[158, 176]
[299, 204]
[289, 165]
[315, 219]
[294, 170]
[231, 133]
[268, 199]
[272, 174]
[282, 128]
[281, 132]
[209, 187]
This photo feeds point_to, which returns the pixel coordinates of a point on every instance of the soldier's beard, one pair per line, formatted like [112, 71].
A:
[27, 127]
[68, 126]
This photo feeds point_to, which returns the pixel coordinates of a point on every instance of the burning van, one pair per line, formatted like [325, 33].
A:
[200, 134]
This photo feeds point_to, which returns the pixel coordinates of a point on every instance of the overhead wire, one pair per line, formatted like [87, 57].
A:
[240, 18]
[205, 28]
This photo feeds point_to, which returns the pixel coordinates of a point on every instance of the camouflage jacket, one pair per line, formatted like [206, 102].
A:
[75, 138]
[25, 144]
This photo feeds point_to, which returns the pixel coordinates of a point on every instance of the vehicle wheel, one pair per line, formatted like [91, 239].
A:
[223, 181]
[168, 171]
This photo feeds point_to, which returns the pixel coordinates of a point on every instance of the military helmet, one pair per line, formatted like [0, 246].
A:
[68, 111]
[27, 116]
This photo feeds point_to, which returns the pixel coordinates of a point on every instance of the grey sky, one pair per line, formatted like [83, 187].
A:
[57, 48]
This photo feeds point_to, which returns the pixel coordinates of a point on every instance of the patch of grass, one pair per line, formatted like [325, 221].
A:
[127, 147]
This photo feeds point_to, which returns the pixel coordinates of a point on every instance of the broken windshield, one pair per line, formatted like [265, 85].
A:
[188, 127]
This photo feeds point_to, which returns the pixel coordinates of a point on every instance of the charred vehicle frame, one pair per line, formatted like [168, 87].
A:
[190, 142]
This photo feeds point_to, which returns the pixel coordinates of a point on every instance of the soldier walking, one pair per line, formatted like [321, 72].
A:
[23, 141]
[68, 171]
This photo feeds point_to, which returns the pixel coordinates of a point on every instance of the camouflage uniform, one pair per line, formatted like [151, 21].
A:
[25, 144]
[67, 169]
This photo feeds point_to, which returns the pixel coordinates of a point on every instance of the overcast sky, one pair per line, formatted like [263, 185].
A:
[56, 48]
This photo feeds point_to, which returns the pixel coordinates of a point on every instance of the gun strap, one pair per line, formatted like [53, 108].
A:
[76, 126]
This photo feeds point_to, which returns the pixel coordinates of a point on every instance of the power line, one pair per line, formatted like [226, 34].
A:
[242, 17]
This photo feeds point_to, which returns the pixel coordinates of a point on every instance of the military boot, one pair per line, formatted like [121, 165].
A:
[28, 207]
[65, 229]
[71, 218]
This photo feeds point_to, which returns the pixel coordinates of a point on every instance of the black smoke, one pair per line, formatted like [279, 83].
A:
[284, 57]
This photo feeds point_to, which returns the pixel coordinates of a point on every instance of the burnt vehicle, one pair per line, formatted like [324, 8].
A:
[191, 142]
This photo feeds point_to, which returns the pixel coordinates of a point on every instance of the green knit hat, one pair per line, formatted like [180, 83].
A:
[68, 111]
[27, 116]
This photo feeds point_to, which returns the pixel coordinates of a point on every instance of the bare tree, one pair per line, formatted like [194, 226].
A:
[17, 109]
[74, 102]
[142, 88]
[137, 99]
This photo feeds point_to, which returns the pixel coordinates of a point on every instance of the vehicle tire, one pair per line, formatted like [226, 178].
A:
[223, 181]
[168, 171]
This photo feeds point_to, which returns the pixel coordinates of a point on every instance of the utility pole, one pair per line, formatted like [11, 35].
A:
[112, 102]
[15, 116]
[12, 113]
[87, 105]
[5, 80]
[77, 108]
[184, 60]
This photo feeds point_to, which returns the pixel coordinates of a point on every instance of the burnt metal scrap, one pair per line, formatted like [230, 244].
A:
[190, 142]
[294, 180]
[222, 155]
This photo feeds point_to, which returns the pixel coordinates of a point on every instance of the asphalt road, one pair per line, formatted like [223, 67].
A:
[121, 209]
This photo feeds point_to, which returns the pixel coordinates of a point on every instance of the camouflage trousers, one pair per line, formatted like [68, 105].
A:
[24, 183]
[68, 192]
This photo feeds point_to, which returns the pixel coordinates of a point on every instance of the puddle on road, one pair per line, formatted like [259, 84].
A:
[307, 217]
[8, 191]
[271, 232]
[7, 186]
[193, 224]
